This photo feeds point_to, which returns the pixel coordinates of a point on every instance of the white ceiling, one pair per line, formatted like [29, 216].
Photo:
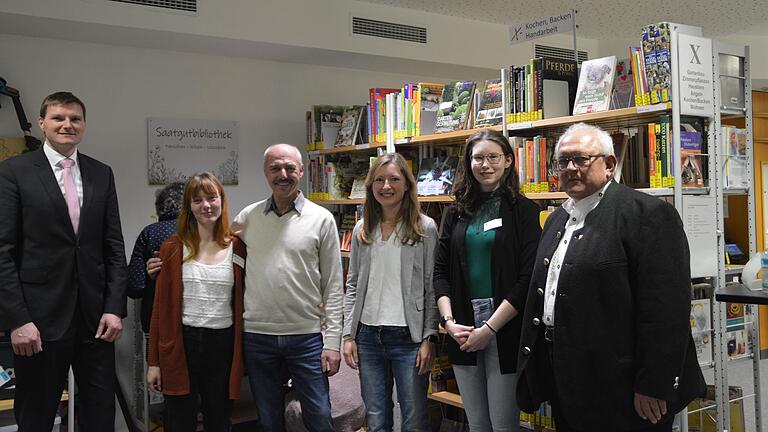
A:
[599, 19]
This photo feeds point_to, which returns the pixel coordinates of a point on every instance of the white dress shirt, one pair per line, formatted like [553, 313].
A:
[54, 158]
[577, 212]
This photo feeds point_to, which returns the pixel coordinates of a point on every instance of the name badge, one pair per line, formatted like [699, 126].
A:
[237, 259]
[491, 224]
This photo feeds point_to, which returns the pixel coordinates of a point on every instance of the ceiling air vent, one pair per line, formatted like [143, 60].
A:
[558, 53]
[181, 5]
[388, 30]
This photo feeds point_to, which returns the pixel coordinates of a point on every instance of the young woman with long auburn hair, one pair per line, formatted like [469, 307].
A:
[195, 342]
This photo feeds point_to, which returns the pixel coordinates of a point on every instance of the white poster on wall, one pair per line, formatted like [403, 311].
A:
[178, 148]
[696, 84]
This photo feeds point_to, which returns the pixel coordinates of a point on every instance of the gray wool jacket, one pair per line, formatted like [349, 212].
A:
[418, 294]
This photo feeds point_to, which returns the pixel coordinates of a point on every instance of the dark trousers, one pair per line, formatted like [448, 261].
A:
[209, 361]
[41, 378]
[562, 425]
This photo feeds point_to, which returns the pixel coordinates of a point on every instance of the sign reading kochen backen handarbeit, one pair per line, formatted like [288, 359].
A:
[540, 27]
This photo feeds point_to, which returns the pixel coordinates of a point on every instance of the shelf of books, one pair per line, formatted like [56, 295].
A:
[670, 138]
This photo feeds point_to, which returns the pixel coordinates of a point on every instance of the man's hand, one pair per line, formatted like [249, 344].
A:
[110, 328]
[154, 379]
[154, 265]
[26, 340]
[350, 353]
[424, 357]
[330, 361]
[478, 339]
[650, 408]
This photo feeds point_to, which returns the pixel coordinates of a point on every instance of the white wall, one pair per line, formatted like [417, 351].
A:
[123, 86]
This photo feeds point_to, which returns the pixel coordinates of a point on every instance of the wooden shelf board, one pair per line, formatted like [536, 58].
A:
[448, 398]
[454, 136]
[612, 118]
[531, 195]
[7, 404]
[437, 199]
[348, 149]
[546, 195]
[427, 199]
[355, 201]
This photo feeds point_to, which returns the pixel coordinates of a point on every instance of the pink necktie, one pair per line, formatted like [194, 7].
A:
[70, 193]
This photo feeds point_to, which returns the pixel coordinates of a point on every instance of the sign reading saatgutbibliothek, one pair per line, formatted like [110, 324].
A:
[540, 27]
[695, 66]
[178, 148]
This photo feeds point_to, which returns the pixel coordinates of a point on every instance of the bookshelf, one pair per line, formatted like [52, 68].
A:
[683, 198]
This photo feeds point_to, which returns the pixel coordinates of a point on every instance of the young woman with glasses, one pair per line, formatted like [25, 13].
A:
[483, 265]
[390, 315]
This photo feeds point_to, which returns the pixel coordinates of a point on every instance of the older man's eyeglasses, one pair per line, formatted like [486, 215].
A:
[492, 158]
[580, 161]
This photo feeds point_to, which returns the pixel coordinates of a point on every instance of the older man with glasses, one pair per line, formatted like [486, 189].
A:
[606, 335]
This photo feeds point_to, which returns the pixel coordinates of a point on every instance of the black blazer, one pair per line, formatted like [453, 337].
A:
[621, 315]
[514, 249]
[46, 271]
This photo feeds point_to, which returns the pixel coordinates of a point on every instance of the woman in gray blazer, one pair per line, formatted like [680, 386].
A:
[390, 313]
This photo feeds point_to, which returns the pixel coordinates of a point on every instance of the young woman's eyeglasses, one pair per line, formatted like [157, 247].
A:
[492, 158]
[580, 161]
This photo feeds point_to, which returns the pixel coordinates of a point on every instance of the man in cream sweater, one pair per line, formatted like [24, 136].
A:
[293, 286]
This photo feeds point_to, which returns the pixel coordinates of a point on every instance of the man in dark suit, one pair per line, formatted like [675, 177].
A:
[62, 272]
[606, 335]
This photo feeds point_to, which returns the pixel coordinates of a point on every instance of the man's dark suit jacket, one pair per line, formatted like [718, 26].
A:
[621, 315]
[46, 271]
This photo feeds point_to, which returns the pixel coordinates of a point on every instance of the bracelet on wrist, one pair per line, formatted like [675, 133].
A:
[493, 330]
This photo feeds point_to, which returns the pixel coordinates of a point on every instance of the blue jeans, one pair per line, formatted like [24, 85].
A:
[388, 353]
[264, 355]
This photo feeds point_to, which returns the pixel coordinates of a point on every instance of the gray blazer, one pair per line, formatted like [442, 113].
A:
[416, 266]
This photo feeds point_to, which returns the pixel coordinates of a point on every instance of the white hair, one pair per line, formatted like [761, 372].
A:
[602, 139]
[293, 147]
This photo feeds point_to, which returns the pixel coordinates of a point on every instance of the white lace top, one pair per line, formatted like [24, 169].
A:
[207, 293]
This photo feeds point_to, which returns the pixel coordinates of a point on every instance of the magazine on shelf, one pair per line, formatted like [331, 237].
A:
[735, 164]
[701, 329]
[436, 175]
[455, 106]
[692, 174]
[327, 124]
[430, 95]
[623, 86]
[595, 85]
[350, 125]
[490, 111]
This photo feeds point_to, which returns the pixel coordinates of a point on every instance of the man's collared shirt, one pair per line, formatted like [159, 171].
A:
[297, 204]
[54, 159]
[577, 212]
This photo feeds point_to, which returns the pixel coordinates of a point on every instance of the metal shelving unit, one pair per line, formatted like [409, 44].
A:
[731, 72]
